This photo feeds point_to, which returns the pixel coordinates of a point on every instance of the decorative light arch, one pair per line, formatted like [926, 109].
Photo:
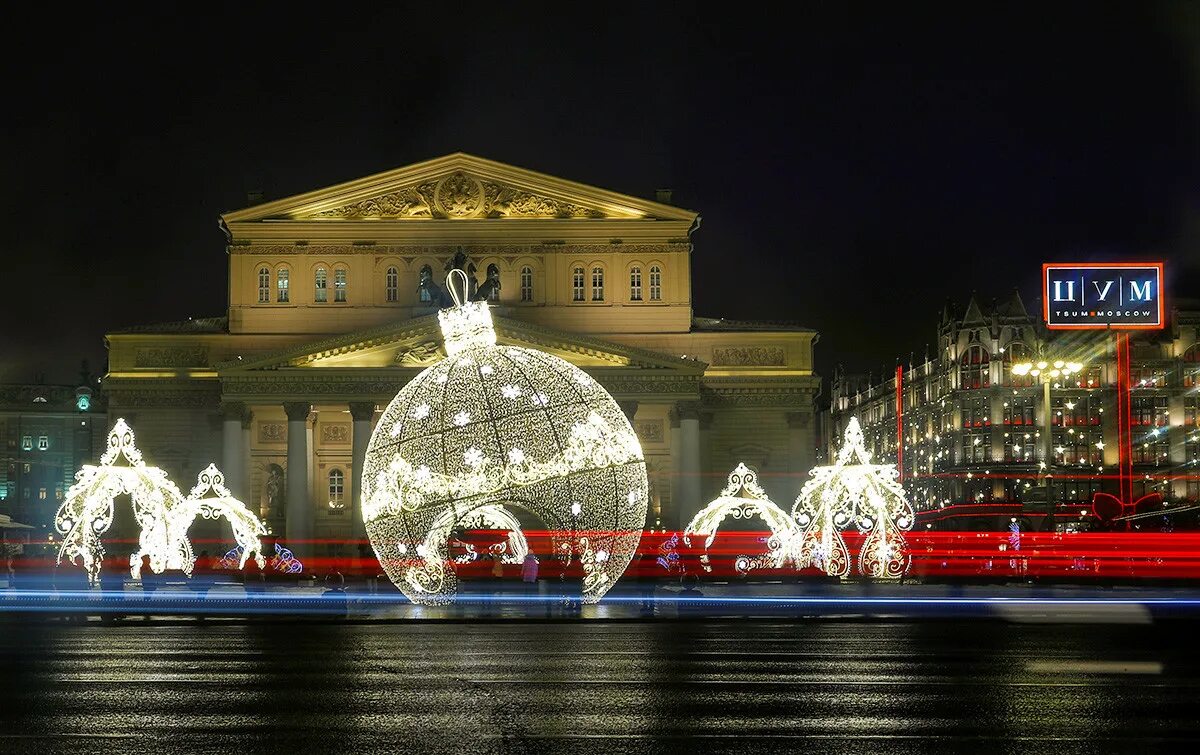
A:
[853, 491]
[87, 513]
[742, 498]
[162, 513]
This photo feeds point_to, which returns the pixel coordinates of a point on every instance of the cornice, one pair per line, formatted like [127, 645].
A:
[548, 231]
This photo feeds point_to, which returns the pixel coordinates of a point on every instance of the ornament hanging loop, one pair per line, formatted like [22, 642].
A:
[456, 284]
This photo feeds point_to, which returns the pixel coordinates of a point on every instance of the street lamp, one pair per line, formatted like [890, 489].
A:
[1047, 373]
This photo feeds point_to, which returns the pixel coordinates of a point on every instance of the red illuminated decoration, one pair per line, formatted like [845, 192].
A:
[900, 423]
[1108, 507]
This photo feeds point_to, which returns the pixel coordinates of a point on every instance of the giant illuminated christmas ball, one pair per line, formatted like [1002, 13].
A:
[509, 427]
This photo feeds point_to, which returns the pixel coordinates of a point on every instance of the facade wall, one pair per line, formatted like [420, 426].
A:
[44, 438]
[973, 431]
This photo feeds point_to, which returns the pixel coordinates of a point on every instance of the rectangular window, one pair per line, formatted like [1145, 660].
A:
[43, 443]
[976, 412]
[635, 284]
[58, 493]
[321, 292]
[26, 442]
[976, 447]
[1018, 410]
[577, 284]
[597, 284]
[339, 284]
[1148, 411]
[41, 494]
[26, 467]
[282, 283]
[526, 284]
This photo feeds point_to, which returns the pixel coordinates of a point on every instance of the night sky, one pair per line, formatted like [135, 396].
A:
[854, 167]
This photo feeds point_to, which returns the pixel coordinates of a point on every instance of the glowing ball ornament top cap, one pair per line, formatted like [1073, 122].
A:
[500, 426]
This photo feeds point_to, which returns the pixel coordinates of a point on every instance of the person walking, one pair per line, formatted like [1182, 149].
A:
[529, 577]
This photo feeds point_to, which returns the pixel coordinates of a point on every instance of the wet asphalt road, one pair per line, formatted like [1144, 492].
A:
[598, 687]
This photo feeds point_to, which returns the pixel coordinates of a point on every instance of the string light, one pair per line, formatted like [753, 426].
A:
[852, 491]
[162, 513]
[743, 498]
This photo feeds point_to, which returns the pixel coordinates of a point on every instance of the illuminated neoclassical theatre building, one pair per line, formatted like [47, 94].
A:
[333, 300]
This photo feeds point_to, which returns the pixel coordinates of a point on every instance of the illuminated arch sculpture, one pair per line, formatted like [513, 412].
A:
[210, 499]
[162, 513]
[742, 498]
[853, 491]
[87, 512]
[503, 426]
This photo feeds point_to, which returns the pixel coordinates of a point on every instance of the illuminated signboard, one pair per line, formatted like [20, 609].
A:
[1117, 295]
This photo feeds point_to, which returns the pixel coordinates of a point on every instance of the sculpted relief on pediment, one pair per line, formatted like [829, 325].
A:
[456, 196]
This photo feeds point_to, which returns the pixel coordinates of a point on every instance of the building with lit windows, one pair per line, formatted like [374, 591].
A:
[46, 433]
[972, 429]
[332, 308]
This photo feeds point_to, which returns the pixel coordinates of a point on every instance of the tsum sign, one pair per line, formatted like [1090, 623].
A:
[1115, 295]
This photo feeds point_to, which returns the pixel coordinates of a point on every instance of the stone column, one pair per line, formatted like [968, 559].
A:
[630, 409]
[299, 525]
[233, 455]
[706, 461]
[363, 412]
[248, 492]
[689, 458]
[670, 517]
[801, 457]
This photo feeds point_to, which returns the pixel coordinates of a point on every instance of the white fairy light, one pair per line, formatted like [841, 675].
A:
[162, 513]
[576, 447]
[743, 498]
[853, 490]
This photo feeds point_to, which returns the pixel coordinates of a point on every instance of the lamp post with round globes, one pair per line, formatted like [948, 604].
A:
[1048, 374]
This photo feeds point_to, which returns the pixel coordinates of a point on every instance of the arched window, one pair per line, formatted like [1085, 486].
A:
[425, 285]
[597, 283]
[337, 488]
[391, 284]
[655, 283]
[339, 284]
[1191, 367]
[973, 368]
[281, 280]
[635, 283]
[320, 286]
[526, 283]
[264, 285]
[1016, 353]
[577, 284]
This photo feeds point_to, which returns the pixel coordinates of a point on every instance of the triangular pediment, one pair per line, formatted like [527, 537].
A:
[417, 343]
[458, 187]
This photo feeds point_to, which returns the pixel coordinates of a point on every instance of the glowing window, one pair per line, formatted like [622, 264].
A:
[27, 443]
[526, 284]
[43, 443]
[577, 284]
[635, 283]
[339, 284]
[282, 285]
[337, 488]
[974, 368]
[655, 283]
[597, 284]
[391, 284]
[264, 285]
[321, 292]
